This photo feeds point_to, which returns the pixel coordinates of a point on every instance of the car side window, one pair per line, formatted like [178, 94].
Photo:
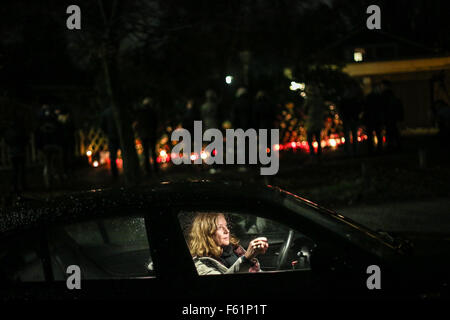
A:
[102, 248]
[20, 260]
[289, 249]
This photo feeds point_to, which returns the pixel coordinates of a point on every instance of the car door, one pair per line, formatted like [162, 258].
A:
[23, 267]
[317, 262]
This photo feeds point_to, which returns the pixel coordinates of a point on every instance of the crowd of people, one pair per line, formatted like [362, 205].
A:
[376, 115]
[383, 110]
[378, 112]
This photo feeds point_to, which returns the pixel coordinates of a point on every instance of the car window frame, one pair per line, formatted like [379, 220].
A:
[319, 235]
[117, 212]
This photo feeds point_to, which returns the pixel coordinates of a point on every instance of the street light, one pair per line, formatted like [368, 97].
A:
[228, 79]
[358, 55]
[296, 86]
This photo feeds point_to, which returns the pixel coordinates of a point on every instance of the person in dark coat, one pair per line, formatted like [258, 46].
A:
[443, 122]
[209, 111]
[242, 110]
[189, 116]
[66, 134]
[109, 127]
[350, 107]
[263, 112]
[315, 113]
[394, 114]
[373, 117]
[146, 125]
[49, 142]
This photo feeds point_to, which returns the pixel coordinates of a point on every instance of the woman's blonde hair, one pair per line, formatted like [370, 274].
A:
[201, 236]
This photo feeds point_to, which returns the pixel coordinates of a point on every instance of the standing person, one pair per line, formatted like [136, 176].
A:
[443, 122]
[209, 111]
[146, 125]
[373, 118]
[242, 110]
[350, 107]
[17, 138]
[315, 111]
[241, 116]
[263, 112]
[109, 127]
[66, 139]
[189, 116]
[394, 113]
[48, 141]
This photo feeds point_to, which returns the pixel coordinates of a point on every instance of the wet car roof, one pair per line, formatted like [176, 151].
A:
[31, 211]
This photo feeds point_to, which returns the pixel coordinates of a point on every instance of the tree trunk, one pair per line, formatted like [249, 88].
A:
[123, 122]
[109, 60]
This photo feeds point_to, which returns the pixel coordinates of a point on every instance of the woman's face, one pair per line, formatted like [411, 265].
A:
[222, 235]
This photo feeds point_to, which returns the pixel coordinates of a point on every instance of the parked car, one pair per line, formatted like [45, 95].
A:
[132, 243]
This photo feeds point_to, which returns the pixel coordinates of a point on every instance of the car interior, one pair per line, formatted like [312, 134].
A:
[20, 260]
[104, 249]
[288, 248]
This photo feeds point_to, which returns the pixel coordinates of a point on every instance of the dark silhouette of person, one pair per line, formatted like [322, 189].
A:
[241, 116]
[443, 122]
[66, 134]
[373, 117]
[109, 127]
[209, 111]
[263, 111]
[17, 138]
[393, 107]
[242, 110]
[146, 125]
[263, 114]
[315, 112]
[49, 142]
[350, 107]
[189, 115]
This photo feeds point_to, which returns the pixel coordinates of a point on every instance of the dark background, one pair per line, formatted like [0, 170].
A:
[175, 50]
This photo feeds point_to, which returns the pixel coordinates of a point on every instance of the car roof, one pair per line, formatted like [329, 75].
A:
[32, 211]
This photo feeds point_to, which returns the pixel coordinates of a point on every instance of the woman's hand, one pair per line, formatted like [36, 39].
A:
[256, 247]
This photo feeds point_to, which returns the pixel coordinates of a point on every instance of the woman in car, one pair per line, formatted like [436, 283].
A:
[216, 251]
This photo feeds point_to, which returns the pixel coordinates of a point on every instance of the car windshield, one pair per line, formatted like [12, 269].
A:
[337, 223]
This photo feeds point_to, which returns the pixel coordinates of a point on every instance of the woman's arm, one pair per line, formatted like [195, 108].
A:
[208, 267]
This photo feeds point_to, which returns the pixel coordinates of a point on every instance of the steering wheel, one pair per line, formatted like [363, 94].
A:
[282, 257]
